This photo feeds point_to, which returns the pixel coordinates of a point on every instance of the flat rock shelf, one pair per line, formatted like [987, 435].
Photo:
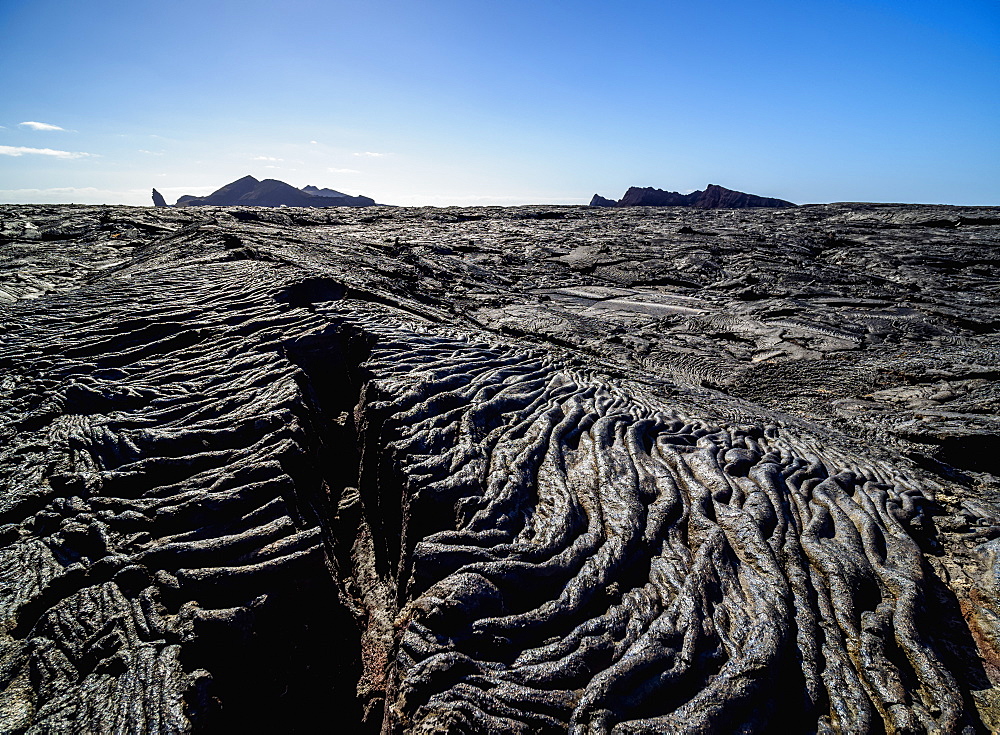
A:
[500, 470]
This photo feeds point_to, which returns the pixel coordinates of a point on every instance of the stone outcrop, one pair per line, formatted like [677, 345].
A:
[317, 192]
[713, 197]
[719, 197]
[158, 200]
[599, 201]
[648, 197]
[488, 470]
[249, 192]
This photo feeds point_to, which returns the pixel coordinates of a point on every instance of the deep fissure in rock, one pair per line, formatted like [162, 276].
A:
[332, 382]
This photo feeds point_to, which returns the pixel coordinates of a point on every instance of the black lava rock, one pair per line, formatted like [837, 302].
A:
[531, 469]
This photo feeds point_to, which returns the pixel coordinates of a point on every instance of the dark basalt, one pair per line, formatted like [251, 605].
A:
[713, 197]
[158, 200]
[499, 470]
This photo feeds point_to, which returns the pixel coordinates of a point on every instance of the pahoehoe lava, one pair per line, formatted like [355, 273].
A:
[533, 469]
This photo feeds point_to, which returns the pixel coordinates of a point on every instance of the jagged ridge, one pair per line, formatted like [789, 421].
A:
[713, 197]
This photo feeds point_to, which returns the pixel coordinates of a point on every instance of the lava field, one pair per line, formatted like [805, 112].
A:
[500, 470]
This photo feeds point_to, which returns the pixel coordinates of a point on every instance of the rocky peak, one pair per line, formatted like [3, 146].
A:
[317, 192]
[599, 201]
[248, 191]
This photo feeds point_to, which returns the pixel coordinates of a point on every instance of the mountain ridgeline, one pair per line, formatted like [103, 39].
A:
[249, 192]
[713, 197]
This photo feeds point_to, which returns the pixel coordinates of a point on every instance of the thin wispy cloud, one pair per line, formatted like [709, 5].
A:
[267, 158]
[481, 200]
[151, 153]
[343, 171]
[20, 150]
[371, 154]
[196, 190]
[79, 195]
[40, 126]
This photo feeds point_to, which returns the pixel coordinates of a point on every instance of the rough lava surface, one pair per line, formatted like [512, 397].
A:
[535, 469]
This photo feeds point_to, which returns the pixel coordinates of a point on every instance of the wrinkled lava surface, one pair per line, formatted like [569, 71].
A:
[533, 469]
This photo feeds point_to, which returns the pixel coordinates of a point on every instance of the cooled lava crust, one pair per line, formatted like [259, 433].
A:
[518, 470]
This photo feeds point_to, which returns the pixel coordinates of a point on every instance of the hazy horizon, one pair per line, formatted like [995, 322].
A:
[443, 103]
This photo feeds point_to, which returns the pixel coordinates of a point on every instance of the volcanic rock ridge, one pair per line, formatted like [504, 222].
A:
[499, 470]
[713, 197]
[250, 192]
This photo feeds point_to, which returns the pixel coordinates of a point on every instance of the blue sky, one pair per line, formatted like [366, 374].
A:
[455, 103]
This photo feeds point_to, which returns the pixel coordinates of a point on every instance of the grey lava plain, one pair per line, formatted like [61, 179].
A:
[600, 469]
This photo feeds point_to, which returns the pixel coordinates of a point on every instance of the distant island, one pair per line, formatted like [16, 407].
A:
[713, 197]
[250, 192]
